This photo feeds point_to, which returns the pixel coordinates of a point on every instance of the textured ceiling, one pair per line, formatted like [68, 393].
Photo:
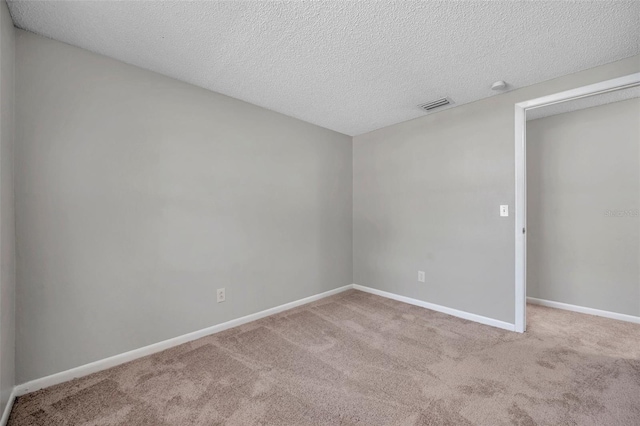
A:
[587, 102]
[348, 66]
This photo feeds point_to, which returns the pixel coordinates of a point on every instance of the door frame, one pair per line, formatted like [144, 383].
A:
[521, 109]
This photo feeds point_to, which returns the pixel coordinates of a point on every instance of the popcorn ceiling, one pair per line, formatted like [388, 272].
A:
[349, 66]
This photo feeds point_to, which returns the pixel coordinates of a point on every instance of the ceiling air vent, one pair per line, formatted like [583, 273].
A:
[438, 103]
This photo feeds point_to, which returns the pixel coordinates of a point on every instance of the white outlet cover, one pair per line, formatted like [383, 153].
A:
[220, 296]
[421, 277]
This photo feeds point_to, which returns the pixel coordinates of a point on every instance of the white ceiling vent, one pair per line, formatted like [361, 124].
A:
[438, 103]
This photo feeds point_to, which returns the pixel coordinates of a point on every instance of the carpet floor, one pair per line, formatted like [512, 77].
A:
[356, 358]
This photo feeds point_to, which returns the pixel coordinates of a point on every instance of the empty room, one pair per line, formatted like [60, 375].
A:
[320, 213]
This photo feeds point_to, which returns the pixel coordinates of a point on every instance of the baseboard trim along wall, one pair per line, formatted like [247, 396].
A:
[103, 364]
[583, 310]
[449, 311]
[7, 408]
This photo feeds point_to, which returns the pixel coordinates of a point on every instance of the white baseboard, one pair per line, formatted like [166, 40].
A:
[106, 363]
[115, 360]
[583, 310]
[449, 311]
[7, 408]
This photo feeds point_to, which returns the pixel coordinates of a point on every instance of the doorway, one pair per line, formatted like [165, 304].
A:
[576, 99]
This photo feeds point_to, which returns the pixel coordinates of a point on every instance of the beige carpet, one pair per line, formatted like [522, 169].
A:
[356, 358]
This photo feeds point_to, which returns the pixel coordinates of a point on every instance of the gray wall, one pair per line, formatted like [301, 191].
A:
[138, 195]
[426, 197]
[7, 218]
[583, 195]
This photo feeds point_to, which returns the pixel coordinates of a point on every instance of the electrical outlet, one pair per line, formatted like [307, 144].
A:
[220, 295]
[421, 276]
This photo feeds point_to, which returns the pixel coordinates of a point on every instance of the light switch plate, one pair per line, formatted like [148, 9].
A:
[504, 210]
